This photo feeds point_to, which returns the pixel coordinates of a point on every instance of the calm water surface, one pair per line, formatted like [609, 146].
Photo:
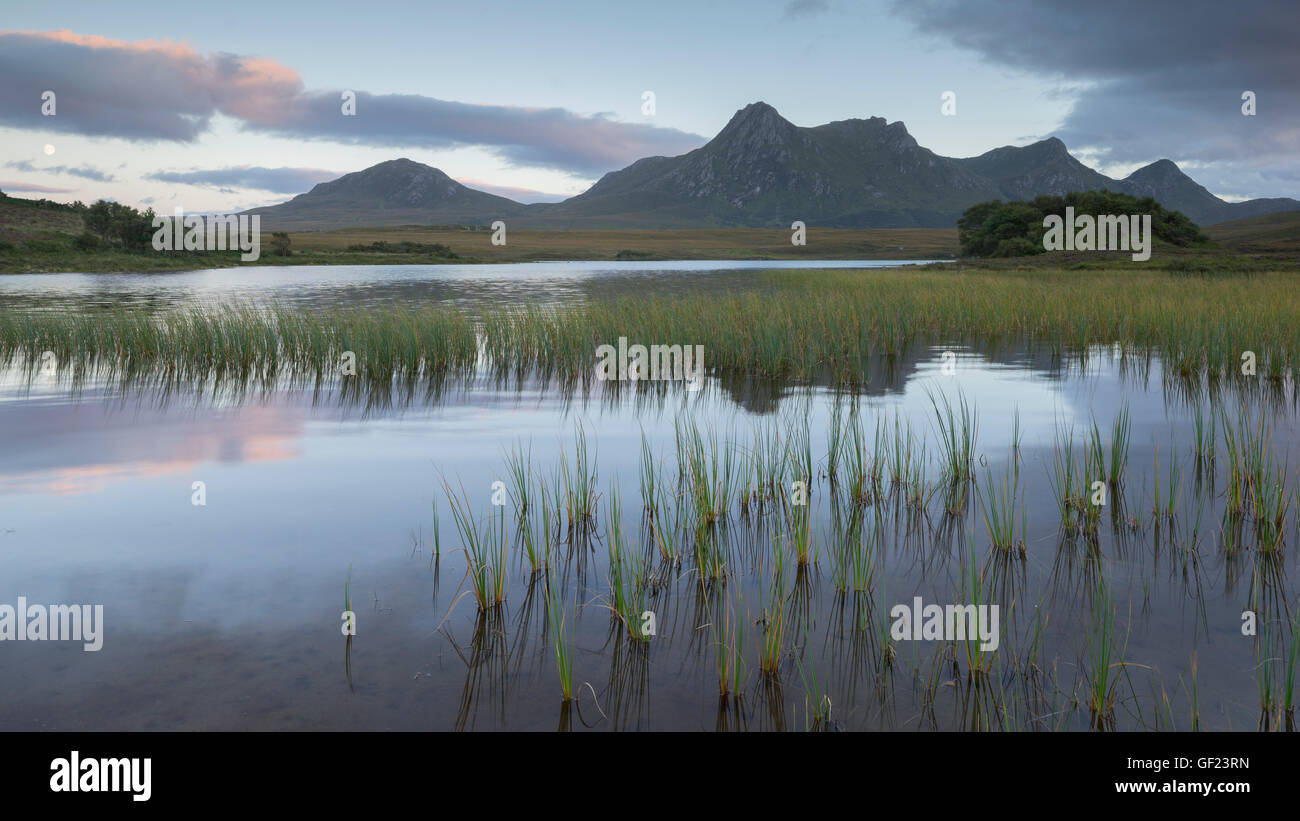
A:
[368, 285]
[227, 615]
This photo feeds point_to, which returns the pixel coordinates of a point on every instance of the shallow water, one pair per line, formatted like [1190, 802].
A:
[227, 615]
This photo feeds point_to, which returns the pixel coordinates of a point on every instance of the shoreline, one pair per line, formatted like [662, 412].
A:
[119, 263]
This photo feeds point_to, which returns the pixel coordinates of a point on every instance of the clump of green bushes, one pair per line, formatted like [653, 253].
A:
[436, 249]
[1015, 229]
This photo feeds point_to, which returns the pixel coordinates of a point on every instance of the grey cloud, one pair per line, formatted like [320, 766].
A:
[128, 91]
[537, 137]
[161, 91]
[1162, 78]
[27, 186]
[525, 195]
[798, 9]
[277, 180]
[85, 171]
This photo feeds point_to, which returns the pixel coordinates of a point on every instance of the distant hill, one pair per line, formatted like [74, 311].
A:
[1177, 191]
[1262, 234]
[762, 171]
[24, 219]
[395, 192]
[1045, 167]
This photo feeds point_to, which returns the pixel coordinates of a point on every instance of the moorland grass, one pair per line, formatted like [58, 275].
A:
[801, 325]
[725, 555]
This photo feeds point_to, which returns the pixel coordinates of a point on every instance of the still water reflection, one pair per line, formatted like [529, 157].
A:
[226, 615]
[371, 285]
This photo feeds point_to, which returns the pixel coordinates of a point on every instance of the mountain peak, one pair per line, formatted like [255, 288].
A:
[389, 193]
[757, 129]
[754, 116]
[1160, 168]
[399, 182]
[758, 108]
[400, 162]
[403, 167]
[761, 170]
[1165, 177]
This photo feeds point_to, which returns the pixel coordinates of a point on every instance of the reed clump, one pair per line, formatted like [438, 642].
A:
[795, 324]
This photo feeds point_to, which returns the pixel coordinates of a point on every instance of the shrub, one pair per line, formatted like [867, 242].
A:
[280, 244]
[436, 249]
[119, 224]
[1016, 247]
[999, 229]
[44, 246]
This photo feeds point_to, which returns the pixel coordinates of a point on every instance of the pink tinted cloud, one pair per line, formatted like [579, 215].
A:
[162, 90]
[28, 186]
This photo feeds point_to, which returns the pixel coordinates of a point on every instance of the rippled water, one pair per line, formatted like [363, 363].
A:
[370, 285]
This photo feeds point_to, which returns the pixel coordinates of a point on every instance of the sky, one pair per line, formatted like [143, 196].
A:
[231, 105]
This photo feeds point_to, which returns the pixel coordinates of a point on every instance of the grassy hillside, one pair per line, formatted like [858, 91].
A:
[390, 193]
[24, 220]
[728, 243]
[38, 238]
[1266, 234]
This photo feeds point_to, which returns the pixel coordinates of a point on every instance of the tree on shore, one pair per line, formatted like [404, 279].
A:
[1013, 229]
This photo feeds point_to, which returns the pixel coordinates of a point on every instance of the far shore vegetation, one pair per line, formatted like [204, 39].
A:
[1015, 229]
[40, 236]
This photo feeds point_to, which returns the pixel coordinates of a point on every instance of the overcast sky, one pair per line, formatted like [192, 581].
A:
[226, 105]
